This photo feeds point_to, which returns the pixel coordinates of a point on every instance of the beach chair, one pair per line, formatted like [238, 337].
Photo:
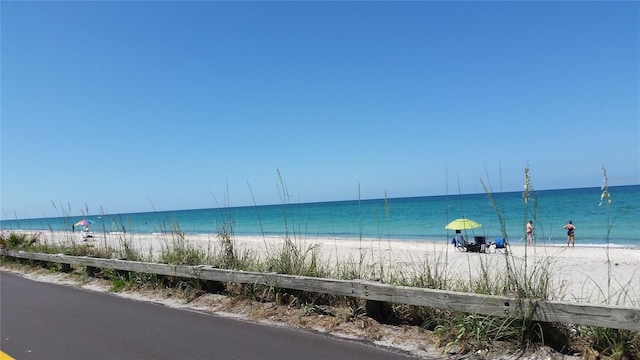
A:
[500, 244]
[86, 233]
[480, 244]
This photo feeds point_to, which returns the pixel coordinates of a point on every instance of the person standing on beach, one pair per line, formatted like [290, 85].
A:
[570, 233]
[530, 232]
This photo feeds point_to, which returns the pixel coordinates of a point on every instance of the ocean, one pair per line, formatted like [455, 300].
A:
[401, 219]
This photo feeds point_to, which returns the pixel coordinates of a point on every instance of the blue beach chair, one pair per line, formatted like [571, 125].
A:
[500, 244]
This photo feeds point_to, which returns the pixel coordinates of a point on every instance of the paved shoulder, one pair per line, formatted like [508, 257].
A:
[48, 321]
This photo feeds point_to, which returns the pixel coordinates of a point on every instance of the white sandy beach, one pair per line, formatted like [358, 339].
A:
[578, 273]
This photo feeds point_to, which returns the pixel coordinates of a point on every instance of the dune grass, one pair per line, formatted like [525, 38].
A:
[456, 332]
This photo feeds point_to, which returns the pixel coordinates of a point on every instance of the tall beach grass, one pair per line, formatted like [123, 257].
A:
[458, 332]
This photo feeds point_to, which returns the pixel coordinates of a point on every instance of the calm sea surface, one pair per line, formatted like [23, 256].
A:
[418, 218]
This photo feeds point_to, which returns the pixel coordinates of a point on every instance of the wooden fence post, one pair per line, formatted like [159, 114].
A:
[378, 310]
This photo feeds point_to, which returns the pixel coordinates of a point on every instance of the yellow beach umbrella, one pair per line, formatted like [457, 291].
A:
[462, 224]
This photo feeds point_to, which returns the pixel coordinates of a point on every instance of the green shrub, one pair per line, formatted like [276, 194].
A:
[18, 241]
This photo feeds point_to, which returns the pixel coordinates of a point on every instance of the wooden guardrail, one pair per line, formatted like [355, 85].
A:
[609, 316]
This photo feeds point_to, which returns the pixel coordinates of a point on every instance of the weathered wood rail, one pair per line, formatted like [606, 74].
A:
[609, 316]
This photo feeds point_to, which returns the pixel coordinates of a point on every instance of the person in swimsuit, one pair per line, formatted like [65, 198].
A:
[530, 232]
[570, 233]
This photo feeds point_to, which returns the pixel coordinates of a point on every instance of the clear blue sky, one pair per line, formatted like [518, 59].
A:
[139, 106]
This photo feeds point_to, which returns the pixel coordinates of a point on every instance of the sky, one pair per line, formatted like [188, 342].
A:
[118, 107]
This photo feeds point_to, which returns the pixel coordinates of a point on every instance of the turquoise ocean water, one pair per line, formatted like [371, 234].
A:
[416, 219]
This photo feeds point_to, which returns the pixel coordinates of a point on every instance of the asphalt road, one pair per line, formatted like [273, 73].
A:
[49, 321]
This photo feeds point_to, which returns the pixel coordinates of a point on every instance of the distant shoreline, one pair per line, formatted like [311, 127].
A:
[420, 219]
[519, 243]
